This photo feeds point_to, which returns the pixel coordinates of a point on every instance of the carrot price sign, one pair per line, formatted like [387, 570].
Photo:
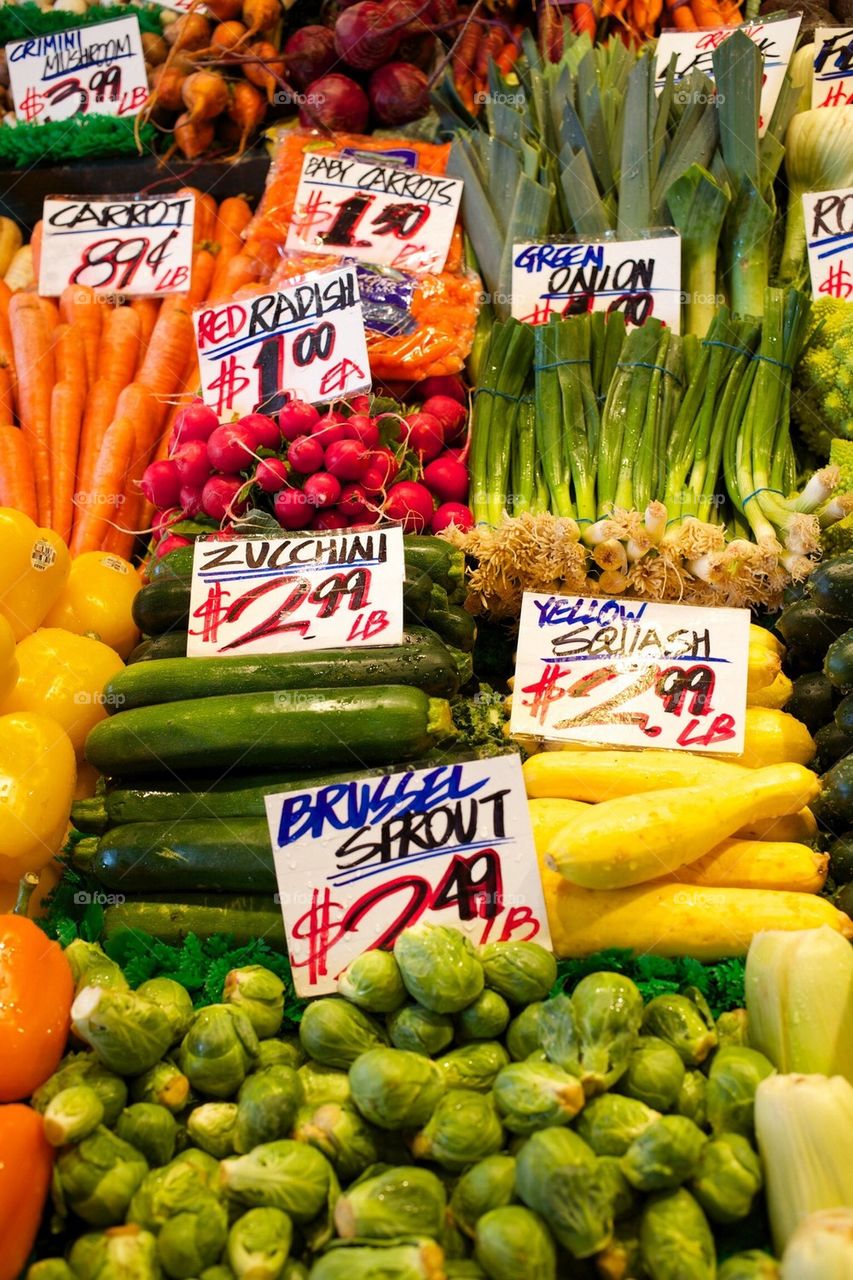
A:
[305, 342]
[306, 591]
[120, 245]
[93, 70]
[388, 215]
[631, 673]
[832, 83]
[829, 236]
[359, 862]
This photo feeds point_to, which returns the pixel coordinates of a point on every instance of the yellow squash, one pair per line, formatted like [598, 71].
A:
[774, 737]
[760, 635]
[763, 666]
[798, 827]
[773, 695]
[604, 775]
[758, 864]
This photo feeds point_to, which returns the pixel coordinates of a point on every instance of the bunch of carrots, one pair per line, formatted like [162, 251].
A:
[480, 41]
[89, 389]
[634, 20]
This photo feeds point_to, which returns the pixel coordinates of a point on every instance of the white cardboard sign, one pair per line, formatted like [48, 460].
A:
[388, 215]
[93, 70]
[832, 85]
[359, 862]
[305, 341]
[631, 673]
[117, 245]
[304, 591]
[829, 237]
[640, 278]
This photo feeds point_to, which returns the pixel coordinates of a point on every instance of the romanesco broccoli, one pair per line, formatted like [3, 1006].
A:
[822, 394]
[838, 537]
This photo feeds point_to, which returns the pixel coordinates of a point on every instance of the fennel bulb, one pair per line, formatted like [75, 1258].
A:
[821, 1248]
[818, 157]
[801, 72]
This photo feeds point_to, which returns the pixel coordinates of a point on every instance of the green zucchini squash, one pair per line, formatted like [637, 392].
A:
[162, 606]
[244, 918]
[197, 855]
[455, 626]
[171, 644]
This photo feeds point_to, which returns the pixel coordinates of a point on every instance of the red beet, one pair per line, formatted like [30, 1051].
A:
[452, 513]
[308, 54]
[365, 36]
[336, 102]
[411, 503]
[398, 93]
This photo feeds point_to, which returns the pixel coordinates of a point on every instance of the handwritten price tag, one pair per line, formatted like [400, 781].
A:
[97, 70]
[308, 591]
[829, 236]
[631, 673]
[358, 863]
[832, 85]
[306, 342]
[117, 245]
[385, 214]
[641, 278]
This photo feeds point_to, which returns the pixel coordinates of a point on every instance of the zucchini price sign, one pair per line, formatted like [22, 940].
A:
[829, 237]
[305, 591]
[118, 245]
[359, 862]
[832, 83]
[388, 215]
[305, 342]
[631, 673]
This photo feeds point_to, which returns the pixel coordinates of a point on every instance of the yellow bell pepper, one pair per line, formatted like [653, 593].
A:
[97, 600]
[8, 659]
[37, 777]
[62, 676]
[34, 566]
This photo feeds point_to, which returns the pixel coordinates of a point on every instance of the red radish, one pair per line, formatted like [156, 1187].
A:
[297, 419]
[346, 459]
[191, 501]
[308, 54]
[335, 102]
[305, 455]
[172, 542]
[329, 429]
[447, 478]
[230, 448]
[219, 497]
[205, 95]
[363, 428]
[424, 435]
[398, 93]
[381, 470]
[329, 519]
[262, 430]
[355, 503]
[271, 474]
[360, 404]
[444, 384]
[322, 489]
[292, 509]
[161, 484]
[451, 414]
[411, 503]
[195, 422]
[364, 35]
[332, 415]
[163, 521]
[452, 513]
[192, 462]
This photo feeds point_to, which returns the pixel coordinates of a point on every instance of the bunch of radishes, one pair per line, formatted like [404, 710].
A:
[317, 469]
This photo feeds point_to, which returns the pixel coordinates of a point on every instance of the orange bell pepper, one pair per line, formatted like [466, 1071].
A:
[26, 1165]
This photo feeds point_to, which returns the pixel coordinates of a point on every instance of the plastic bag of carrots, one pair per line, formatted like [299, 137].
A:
[443, 308]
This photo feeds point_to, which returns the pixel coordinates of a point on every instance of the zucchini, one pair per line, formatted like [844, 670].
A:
[245, 918]
[838, 663]
[832, 743]
[308, 728]
[196, 855]
[830, 586]
[162, 606]
[834, 806]
[171, 644]
[90, 815]
[444, 563]
[455, 626]
[177, 564]
[807, 629]
[841, 858]
[811, 701]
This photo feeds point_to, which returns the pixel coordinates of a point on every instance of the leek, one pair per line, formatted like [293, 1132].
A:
[818, 157]
[821, 1248]
[698, 204]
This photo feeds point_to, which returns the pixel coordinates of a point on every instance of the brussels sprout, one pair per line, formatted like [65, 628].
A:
[92, 967]
[399, 1202]
[620, 1257]
[183, 1185]
[655, 1074]
[418, 1260]
[323, 1084]
[72, 1114]
[218, 1050]
[489, 1184]
[752, 1265]
[219, 1272]
[440, 968]
[522, 1037]
[610, 1124]
[473, 1066]
[260, 994]
[692, 1100]
[127, 1032]
[533, 1095]
[727, 1178]
[97, 1178]
[173, 999]
[286, 1052]
[558, 1176]
[464, 1128]
[344, 1137]
[735, 1074]
[512, 1242]
[258, 1244]
[151, 1129]
[464, 1269]
[664, 1155]
[373, 982]
[592, 1033]
[212, 1127]
[522, 972]
[281, 1175]
[678, 1021]
[164, 1084]
[292, 1271]
[127, 1252]
[420, 1030]
[50, 1269]
[334, 1032]
[84, 1068]
[622, 1196]
[266, 1107]
[732, 1028]
[485, 1019]
[193, 1240]
[675, 1240]
[395, 1089]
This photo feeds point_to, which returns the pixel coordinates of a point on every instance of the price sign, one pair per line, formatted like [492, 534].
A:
[385, 214]
[694, 50]
[832, 85]
[631, 673]
[117, 245]
[97, 70]
[640, 278]
[359, 862]
[305, 342]
[829, 236]
[306, 591]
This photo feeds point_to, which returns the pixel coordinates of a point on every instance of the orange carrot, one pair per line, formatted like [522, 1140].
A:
[232, 218]
[7, 393]
[118, 354]
[204, 265]
[168, 354]
[678, 12]
[35, 245]
[7, 354]
[51, 312]
[66, 416]
[242, 269]
[80, 305]
[100, 410]
[69, 354]
[17, 481]
[32, 345]
[108, 481]
[148, 310]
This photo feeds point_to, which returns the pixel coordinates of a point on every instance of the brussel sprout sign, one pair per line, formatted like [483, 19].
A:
[359, 862]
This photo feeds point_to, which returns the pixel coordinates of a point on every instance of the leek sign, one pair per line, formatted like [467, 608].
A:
[829, 236]
[832, 83]
[631, 673]
[358, 862]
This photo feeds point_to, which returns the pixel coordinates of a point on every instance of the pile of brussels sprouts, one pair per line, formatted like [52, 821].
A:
[441, 1117]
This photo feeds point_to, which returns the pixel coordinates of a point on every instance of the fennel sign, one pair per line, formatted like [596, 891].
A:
[640, 278]
[358, 862]
[832, 82]
[829, 237]
[631, 673]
